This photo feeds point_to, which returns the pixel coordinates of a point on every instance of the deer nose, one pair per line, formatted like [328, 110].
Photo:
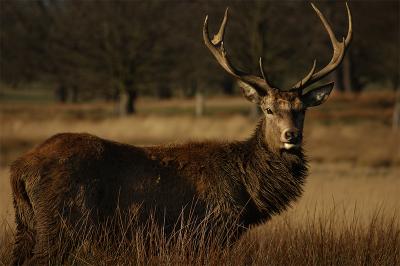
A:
[291, 135]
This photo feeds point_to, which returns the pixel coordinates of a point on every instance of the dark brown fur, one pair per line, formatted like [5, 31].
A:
[70, 175]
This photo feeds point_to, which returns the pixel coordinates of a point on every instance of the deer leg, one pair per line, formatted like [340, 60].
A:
[25, 236]
[52, 245]
[24, 242]
[47, 248]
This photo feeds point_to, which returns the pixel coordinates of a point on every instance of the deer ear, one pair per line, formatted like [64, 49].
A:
[318, 95]
[249, 92]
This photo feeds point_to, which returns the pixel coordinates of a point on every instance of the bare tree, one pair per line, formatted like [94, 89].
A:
[129, 48]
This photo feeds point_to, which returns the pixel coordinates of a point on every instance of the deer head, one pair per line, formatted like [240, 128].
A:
[284, 110]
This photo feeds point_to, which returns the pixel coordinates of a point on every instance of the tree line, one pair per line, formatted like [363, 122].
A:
[119, 50]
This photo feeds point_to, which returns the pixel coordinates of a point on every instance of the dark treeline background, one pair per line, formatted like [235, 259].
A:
[119, 50]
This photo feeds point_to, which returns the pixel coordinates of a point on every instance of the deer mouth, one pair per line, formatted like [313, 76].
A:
[290, 146]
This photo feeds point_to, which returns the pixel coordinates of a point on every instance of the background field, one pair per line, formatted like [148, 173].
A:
[354, 154]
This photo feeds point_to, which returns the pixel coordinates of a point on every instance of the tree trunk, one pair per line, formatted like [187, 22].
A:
[131, 103]
[74, 94]
[349, 80]
[61, 94]
[337, 77]
[127, 101]
[228, 86]
[396, 111]
[199, 103]
[127, 98]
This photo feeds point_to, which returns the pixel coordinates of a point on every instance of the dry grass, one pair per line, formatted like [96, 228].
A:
[348, 214]
[319, 240]
[344, 129]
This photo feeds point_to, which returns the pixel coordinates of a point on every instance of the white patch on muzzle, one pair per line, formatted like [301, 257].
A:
[289, 146]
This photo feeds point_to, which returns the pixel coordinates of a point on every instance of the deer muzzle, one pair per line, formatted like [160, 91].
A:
[291, 138]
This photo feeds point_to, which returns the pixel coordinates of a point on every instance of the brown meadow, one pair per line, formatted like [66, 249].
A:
[348, 214]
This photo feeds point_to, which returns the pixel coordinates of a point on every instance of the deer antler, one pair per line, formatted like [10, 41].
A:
[339, 49]
[216, 46]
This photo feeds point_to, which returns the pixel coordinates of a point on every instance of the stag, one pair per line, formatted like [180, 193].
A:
[251, 180]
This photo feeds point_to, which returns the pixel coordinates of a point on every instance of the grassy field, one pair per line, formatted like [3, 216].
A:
[349, 213]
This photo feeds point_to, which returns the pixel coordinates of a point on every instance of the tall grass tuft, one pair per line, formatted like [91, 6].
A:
[328, 239]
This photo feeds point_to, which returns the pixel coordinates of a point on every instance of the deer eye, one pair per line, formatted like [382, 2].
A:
[269, 111]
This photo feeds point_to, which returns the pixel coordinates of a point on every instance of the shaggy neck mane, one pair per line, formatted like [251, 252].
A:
[273, 180]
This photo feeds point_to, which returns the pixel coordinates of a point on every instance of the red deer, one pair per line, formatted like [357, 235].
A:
[251, 180]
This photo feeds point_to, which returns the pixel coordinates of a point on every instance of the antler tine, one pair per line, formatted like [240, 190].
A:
[219, 37]
[216, 46]
[350, 30]
[339, 49]
[218, 50]
[263, 74]
[300, 84]
[262, 69]
[328, 28]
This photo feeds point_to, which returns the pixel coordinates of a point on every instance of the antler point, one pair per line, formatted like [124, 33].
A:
[313, 6]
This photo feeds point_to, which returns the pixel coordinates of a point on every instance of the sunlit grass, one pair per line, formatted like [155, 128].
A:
[328, 239]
